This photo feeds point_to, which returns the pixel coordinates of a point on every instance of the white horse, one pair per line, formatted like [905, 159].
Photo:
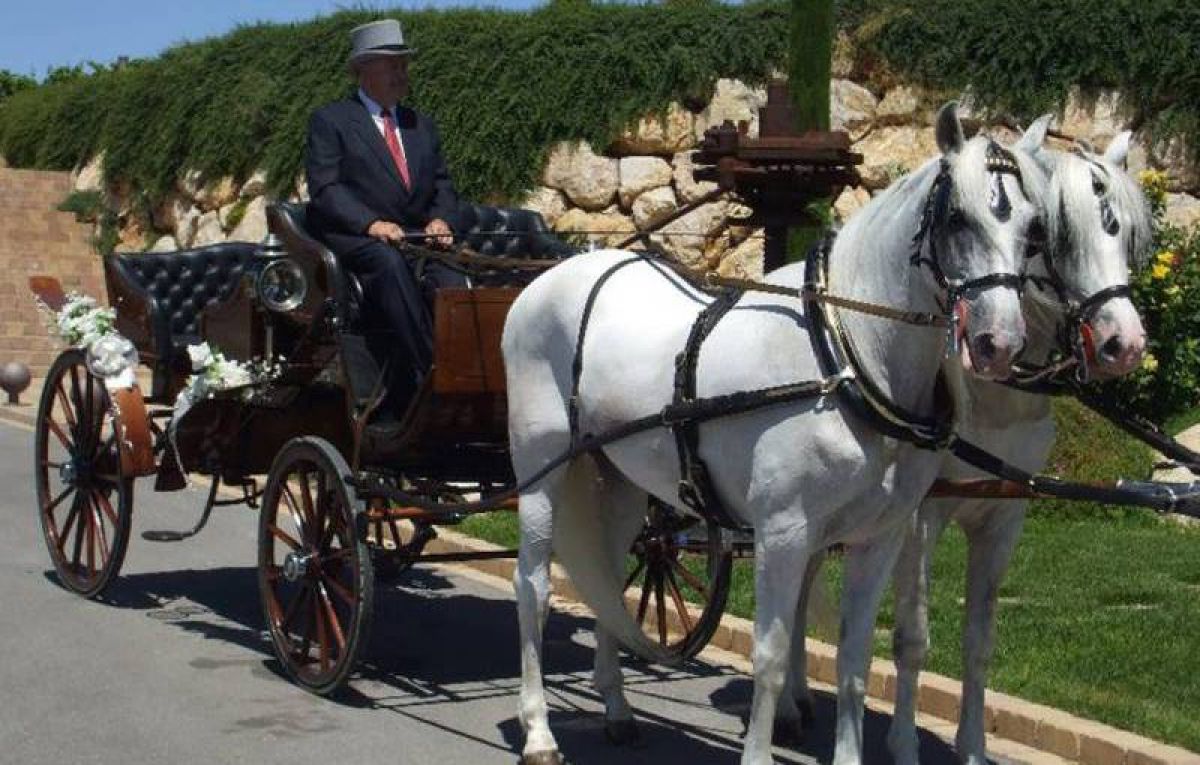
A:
[1096, 221]
[804, 475]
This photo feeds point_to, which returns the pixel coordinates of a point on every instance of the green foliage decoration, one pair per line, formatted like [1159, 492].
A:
[503, 87]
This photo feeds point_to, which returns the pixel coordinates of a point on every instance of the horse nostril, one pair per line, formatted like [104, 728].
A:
[1111, 350]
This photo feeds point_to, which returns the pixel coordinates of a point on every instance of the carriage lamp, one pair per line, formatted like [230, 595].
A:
[113, 359]
[282, 285]
[14, 378]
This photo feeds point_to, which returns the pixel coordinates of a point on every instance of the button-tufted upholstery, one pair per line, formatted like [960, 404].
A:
[508, 232]
[182, 284]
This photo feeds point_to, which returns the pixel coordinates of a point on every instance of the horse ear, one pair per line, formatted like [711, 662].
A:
[949, 129]
[1118, 150]
[1035, 135]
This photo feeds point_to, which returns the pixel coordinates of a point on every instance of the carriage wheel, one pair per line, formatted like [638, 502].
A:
[683, 570]
[314, 569]
[84, 501]
[395, 544]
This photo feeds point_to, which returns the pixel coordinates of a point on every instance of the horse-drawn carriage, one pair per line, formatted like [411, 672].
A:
[327, 520]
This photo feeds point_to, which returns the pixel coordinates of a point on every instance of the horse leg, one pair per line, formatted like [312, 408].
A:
[778, 557]
[531, 580]
[910, 637]
[624, 507]
[801, 714]
[990, 548]
[867, 569]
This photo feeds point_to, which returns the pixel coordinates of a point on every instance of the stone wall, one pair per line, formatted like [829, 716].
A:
[35, 238]
[601, 195]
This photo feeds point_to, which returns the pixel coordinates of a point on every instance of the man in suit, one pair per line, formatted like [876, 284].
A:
[376, 176]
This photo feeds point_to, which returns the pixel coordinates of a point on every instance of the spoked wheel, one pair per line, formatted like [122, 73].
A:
[682, 568]
[84, 501]
[314, 569]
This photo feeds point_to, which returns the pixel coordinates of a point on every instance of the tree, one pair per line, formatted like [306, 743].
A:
[11, 83]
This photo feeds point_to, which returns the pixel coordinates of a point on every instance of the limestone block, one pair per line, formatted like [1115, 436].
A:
[653, 206]
[735, 101]
[90, 177]
[658, 134]
[1096, 118]
[745, 261]
[1179, 162]
[893, 151]
[1183, 210]
[693, 232]
[132, 233]
[899, 106]
[255, 185]
[208, 230]
[253, 226]
[190, 183]
[603, 229]
[639, 174]
[851, 106]
[550, 203]
[686, 186]
[588, 179]
[217, 194]
[164, 244]
[850, 201]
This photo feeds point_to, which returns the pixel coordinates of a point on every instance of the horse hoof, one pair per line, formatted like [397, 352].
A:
[788, 733]
[548, 757]
[622, 732]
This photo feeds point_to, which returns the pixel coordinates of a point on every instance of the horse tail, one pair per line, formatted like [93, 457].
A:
[581, 534]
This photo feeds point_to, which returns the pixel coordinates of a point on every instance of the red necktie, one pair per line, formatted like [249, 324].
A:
[389, 134]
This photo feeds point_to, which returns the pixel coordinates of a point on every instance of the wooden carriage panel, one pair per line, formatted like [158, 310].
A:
[468, 324]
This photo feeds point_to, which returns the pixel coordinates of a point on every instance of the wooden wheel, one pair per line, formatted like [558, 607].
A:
[314, 569]
[682, 569]
[85, 502]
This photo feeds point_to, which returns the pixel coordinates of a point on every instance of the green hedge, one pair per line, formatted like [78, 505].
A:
[502, 85]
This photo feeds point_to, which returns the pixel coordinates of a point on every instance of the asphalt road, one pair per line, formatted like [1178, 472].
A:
[173, 667]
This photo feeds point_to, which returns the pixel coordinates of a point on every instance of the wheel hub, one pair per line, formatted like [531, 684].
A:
[73, 473]
[295, 566]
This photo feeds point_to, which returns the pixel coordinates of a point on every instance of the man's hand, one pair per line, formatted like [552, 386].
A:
[385, 231]
[439, 233]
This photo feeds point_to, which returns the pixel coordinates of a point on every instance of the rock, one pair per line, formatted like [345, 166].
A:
[217, 194]
[898, 107]
[843, 56]
[735, 101]
[1179, 162]
[169, 211]
[744, 261]
[588, 180]
[255, 185]
[639, 174]
[851, 106]
[190, 183]
[603, 229]
[550, 203]
[686, 186]
[90, 177]
[694, 232]
[1182, 210]
[208, 230]
[850, 201]
[653, 206]
[185, 227]
[164, 244]
[658, 134]
[1095, 118]
[132, 233]
[891, 152]
[223, 214]
[253, 226]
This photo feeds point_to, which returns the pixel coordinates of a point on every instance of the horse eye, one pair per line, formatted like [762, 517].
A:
[1098, 187]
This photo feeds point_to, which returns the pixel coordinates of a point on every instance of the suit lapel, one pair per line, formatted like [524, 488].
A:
[364, 123]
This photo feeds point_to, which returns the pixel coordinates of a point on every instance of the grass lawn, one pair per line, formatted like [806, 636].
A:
[1098, 615]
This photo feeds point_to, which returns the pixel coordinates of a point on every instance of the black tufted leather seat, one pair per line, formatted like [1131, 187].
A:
[508, 232]
[181, 285]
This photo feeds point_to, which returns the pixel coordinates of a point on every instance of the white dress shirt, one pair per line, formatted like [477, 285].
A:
[377, 116]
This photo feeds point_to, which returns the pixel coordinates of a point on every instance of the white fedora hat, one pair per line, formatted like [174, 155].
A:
[378, 38]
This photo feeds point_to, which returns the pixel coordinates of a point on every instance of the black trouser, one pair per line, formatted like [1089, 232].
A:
[396, 317]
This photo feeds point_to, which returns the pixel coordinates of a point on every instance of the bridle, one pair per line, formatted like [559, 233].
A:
[1076, 337]
[937, 212]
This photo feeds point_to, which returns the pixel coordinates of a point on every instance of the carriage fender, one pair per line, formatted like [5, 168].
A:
[134, 441]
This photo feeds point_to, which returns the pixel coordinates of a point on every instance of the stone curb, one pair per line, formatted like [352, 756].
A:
[1033, 725]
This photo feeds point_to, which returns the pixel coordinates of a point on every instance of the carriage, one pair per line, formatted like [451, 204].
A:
[302, 450]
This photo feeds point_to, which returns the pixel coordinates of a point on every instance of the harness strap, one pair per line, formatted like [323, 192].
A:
[695, 486]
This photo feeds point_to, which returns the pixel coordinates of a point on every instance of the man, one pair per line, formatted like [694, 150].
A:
[376, 176]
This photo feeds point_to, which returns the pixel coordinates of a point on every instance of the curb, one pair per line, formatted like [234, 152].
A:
[1032, 725]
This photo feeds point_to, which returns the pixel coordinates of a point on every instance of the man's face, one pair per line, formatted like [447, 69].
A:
[384, 79]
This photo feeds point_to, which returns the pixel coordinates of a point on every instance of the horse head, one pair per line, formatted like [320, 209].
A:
[1097, 223]
[972, 238]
